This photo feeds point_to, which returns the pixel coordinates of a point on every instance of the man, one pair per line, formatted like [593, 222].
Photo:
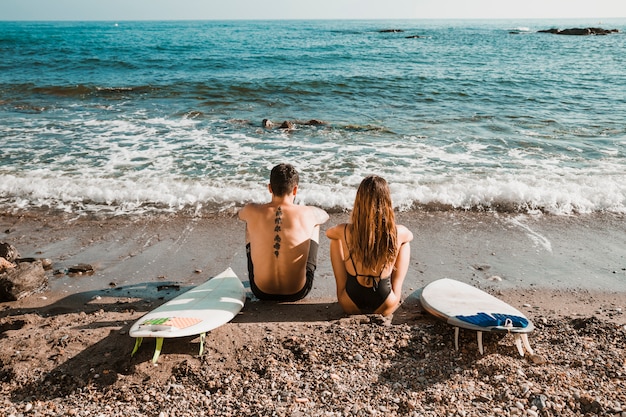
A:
[282, 239]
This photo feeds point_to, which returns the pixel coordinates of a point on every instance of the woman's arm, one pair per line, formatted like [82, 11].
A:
[404, 234]
[337, 259]
[335, 234]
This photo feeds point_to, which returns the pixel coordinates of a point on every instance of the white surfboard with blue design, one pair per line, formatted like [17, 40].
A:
[467, 307]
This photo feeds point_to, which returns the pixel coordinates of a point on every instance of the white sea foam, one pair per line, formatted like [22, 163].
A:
[130, 165]
[134, 165]
[138, 194]
[536, 237]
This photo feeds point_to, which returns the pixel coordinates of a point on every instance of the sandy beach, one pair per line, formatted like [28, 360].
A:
[66, 350]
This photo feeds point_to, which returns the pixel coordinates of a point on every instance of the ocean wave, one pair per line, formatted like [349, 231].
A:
[125, 196]
[82, 90]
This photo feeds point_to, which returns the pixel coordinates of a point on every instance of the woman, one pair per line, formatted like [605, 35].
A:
[370, 255]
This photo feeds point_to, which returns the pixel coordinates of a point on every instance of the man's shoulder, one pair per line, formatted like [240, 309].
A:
[251, 208]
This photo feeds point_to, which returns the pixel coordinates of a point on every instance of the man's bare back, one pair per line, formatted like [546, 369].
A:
[282, 238]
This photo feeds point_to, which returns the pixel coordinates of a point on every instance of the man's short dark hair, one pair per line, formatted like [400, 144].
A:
[283, 179]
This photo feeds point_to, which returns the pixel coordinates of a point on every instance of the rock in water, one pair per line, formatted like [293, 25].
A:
[25, 279]
[580, 31]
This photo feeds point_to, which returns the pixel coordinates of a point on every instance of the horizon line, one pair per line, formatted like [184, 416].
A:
[306, 19]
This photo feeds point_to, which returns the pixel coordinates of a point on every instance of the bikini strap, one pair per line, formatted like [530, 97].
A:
[345, 238]
[356, 273]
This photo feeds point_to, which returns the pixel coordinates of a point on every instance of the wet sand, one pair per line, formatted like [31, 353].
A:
[559, 256]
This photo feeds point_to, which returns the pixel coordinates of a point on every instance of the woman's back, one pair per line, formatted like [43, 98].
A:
[370, 255]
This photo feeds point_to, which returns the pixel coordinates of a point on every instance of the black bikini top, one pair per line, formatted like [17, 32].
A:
[373, 279]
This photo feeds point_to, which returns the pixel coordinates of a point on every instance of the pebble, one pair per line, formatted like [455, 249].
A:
[538, 359]
[361, 367]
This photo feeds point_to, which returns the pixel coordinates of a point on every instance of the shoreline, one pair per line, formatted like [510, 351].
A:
[558, 264]
[561, 265]
[66, 351]
[498, 251]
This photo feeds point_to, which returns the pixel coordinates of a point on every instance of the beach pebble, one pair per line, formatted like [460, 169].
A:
[539, 402]
[46, 263]
[538, 359]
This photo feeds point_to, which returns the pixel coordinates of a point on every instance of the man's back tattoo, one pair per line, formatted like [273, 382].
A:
[277, 222]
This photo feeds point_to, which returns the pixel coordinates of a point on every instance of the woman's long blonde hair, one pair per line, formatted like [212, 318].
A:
[374, 237]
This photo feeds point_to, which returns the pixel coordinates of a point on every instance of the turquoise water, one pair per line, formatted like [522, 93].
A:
[135, 117]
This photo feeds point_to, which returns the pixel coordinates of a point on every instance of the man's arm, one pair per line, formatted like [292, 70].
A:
[243, 213]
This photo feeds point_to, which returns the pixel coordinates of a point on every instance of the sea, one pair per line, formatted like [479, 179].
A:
[142, 117]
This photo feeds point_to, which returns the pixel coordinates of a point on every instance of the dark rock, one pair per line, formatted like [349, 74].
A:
[20, 260]
[553, 31]
[8, 252]
[80, 269]
[286, 125]
[539, 401]
[575, 32]
[590, 405]
[315, 122]
[23, 280]
[580, 31]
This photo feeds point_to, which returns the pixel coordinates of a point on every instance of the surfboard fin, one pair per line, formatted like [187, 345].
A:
[137, 344]
[527, 343]
[479, 336]
[521, 342]
[157, 349]
[518, 344]
[523, 339]
[202, 337]
[159, 346]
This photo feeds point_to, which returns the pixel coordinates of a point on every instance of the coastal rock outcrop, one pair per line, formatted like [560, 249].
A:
[580, 31]
[20, 277]
[288, 124]
[22, 280]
